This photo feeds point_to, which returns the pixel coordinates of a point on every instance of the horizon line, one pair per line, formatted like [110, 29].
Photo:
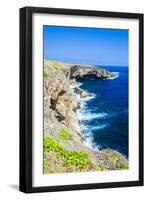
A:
[83, 63]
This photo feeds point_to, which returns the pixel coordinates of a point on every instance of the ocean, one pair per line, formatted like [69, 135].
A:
[104, 116]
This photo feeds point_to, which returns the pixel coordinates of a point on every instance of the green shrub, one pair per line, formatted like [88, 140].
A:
[54, 64]
[78, 159]
[119, 164]
[45, 74]
[64, 134]
[122, 165]
[113, 158]
[101, 167]
[51, 144]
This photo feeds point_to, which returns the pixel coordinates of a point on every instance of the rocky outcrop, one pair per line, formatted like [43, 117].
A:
[59, 103]
[62, 124]
[88, 72]
[82, 93]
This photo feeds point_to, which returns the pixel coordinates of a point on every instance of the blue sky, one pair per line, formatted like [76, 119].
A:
[86, 45]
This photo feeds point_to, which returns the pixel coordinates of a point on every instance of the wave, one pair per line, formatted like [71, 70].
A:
[124, 111]
[116, 75]
[77, 96]
[74, 85]
[83, 115]
[86, 115]
[78, 84]
[88, 137]
[89, 142]
[102, 126]
[85, 99]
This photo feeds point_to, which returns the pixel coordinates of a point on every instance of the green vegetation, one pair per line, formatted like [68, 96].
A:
[78, 160]
[45, 74]
[45, 163]
[51, 66]
[122, 165]
[115, 160]
[64, 134]
[54, 64]
[57, 159]
[101, 167]
[51, 144]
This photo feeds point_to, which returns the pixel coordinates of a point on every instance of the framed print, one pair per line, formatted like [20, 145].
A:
[81, 99]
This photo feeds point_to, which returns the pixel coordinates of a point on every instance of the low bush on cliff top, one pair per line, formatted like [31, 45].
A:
[45, 74]
[64, 134]
[51, 144]
[78, 159]
[101, 167]
[54, 64]
[116, 160]
[113, 158]
[122, 165]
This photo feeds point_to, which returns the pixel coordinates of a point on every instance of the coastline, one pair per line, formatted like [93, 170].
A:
[87, 140]
[63, 100]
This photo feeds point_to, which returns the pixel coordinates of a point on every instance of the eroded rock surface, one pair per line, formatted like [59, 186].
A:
[89, 72]
[60, 118]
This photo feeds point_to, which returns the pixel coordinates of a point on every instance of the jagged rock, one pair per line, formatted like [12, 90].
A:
[88, 72]
[78, 90]
[60, 106]
[82, 93]
[72, 81]
[85, 94]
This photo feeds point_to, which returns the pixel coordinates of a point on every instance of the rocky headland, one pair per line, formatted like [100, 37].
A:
[64, 148]
[80, 72]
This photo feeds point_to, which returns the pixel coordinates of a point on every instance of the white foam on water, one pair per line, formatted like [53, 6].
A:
[116, 75]
[83, 115]
[74, 85]
[102, 126]
[89, 142]
[87, 136]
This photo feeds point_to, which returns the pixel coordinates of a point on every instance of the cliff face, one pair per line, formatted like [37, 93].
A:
[64, 149]
[60, 105]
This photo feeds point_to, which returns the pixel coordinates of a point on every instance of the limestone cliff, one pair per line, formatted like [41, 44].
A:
[88, 72]
[64, 149]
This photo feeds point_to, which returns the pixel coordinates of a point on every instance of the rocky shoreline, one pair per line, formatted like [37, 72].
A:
[64, 148]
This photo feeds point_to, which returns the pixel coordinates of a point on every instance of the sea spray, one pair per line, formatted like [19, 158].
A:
[85, 115]
[97, 113]
[115, 75]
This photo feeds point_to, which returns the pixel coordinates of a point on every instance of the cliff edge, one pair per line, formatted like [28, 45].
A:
[64, 148]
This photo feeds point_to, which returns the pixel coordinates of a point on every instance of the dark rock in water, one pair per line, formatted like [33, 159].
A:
[80, 72]
[78, 90]
[85, 94]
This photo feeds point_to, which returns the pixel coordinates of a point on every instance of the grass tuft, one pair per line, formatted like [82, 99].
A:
[65, 135]
[53, 64]
[101, 167]
[45, 74]
[115, 160]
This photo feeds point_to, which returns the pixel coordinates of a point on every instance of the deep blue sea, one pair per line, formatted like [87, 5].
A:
[104, 117]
